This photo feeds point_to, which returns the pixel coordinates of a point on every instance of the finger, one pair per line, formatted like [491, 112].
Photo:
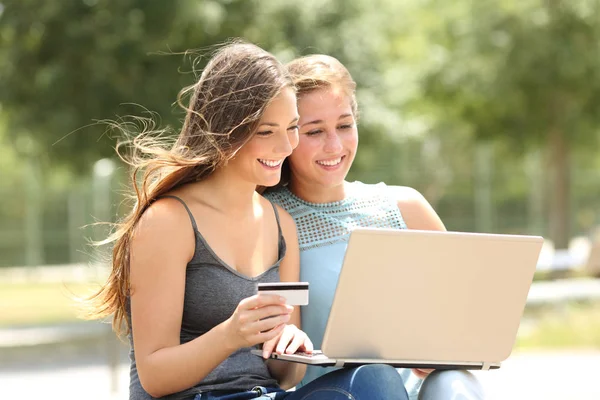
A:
[426, 370]
[417, 373]
[422, 373]
[263, 337]
[285, 339]
[269, 345]
[247, 318]
[298, 341]
[269, 311]
[308, 344]
[260, 300]
[268, 323]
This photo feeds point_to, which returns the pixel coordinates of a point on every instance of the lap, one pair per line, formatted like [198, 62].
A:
[372, 382]
[451, 384]
[367, 382]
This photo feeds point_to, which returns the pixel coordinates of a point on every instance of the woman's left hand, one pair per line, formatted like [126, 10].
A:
[422, 373]
[289, 341]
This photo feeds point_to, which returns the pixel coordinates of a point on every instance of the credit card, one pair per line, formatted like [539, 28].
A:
[295, 293]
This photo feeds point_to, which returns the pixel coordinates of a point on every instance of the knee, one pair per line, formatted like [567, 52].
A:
[451, 385]
[383, 379]
[376, 371]
[367, 382]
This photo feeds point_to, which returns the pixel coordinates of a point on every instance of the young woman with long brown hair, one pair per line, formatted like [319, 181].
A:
[188, 257]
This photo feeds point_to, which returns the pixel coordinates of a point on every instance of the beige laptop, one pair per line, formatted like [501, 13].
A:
[423, 299]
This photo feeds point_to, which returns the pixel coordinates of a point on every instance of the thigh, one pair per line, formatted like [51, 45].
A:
[451, 385]
[368, 382]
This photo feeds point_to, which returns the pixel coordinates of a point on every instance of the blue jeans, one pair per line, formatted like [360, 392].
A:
[451, 385]
[367, 382]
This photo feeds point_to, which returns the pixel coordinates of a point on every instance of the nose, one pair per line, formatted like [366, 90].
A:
[286, 144]
[333, 143]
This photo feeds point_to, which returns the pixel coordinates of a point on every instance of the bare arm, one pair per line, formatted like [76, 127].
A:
[416, 210]
[162, 245]
[289, 374]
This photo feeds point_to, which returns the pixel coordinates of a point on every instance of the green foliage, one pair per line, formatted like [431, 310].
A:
[526, 72]
[518, 70]
[67, 64]
[70, 64]
[432, 77]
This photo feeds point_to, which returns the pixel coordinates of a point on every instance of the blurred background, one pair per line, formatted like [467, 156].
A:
[490, 108]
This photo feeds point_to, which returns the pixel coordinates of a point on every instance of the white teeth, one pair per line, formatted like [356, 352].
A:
[330, 163]
[270, 163]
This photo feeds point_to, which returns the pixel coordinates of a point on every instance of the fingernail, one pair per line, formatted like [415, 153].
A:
[282, 299]
[265, 354]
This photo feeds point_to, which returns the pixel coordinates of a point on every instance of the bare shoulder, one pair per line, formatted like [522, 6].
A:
[415, 209]
[288, 226]
[165, 226]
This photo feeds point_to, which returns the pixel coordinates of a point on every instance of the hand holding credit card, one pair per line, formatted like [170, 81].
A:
[295, 293]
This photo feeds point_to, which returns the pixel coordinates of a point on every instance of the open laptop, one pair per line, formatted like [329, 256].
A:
[466, 293]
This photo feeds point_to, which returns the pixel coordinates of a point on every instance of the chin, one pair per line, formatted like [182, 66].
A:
[269, 182]
[333, 181]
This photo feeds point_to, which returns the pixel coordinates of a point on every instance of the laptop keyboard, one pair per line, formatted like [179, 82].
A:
[313, 354]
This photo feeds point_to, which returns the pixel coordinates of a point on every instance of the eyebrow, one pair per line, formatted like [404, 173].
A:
[320, 121]
[273, 124]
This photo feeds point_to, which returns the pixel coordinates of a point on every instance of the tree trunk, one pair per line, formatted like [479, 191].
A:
[560, 184]
[34, 213]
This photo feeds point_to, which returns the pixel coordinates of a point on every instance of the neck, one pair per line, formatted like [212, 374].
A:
[228, 194]
[314, 193]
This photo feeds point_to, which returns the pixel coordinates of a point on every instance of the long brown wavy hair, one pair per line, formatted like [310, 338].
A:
[224, 110]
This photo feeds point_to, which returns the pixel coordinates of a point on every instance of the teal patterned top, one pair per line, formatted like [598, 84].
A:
[323, 232]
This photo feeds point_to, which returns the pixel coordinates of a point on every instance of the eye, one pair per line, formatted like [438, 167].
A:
[293, 128]
[345, 126]
[313, 132]
[264, 133]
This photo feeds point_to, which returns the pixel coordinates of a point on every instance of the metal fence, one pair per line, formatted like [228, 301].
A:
[48, 224]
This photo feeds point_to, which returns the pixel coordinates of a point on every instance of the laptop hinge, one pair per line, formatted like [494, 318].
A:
[485, 366]
[339, 363]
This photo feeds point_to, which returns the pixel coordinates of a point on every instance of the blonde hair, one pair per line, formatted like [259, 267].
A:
[319, 71]
[316, 72]
[224, 110]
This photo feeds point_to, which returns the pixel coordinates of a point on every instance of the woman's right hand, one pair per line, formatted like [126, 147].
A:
[257, 319]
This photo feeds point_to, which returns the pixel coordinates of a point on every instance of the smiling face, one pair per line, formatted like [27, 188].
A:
[259, 160]
[327, 143]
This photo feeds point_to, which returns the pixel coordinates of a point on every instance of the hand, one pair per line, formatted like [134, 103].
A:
[422, 373]
[289, 341]
[257, 319]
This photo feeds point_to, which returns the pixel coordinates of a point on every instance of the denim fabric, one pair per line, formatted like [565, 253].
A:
[451, 385]
[368, 382]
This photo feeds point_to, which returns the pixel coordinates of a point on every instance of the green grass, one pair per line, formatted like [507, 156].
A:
[568, 326]
[44, 303]
[561, 274]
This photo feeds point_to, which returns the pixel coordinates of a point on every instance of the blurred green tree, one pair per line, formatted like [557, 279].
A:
[527, 72]
[64, 65]
[72, 63]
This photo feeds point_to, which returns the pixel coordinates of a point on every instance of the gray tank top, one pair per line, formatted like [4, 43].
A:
[212, 292]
